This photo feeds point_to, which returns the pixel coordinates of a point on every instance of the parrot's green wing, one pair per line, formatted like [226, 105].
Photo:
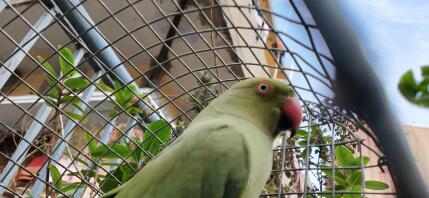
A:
[209, 160]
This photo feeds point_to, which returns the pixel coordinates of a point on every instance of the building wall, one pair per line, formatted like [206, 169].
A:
[374, 172]
[418, 138]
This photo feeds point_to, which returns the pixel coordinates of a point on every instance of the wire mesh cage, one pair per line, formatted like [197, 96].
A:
[92, 90]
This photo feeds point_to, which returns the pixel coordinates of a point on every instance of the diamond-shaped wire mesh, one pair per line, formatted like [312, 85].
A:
[92, 90]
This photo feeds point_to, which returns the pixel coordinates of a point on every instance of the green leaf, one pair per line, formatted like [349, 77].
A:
[365, 160]
[53, 92]
[47, 66]
[74, 101]
[339, 177]
[113, 151]
[128, 171]
[414, 92]
[111, 164]
[355, 178]
[126, 97]
[425, 71]
[314, 130]
[77, 106]
[56, 177]
[341, 181]
[356, 189]
[76, 83]
[302, 133]
[344, 156]
[132, 87]
[302, 143]
[117, 85]
[138, 152]
[303, 154]
[134, 110]
[376, 185]
[104, 87]
[115, 112]
[66, 61]
[357, 161]
[87, 173]
[422, 101]
[327, 170]
[74, 116]
[119, 98]
[352, 196]
[423, 86]
[407, 85]
[92, 144]
[162, 130]
[70, 188]
[67, 99]
[327, 139]
[339, 187]
[111, 181]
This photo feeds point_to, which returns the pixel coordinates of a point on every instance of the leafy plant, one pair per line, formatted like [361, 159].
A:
[349, 179]
[65, 188]
[204, 93]
[317, 137]
[63, 84]
[415, 92]
[144, 149]
[63, 87]
[112, 155]
[200, 97]
[125, 98]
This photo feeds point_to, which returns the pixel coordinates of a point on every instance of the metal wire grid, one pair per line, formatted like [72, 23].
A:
[224, 48]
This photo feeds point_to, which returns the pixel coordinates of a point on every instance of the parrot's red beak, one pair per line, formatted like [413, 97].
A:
[292, 114]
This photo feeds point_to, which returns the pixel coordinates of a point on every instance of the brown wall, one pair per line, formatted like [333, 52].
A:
[418, 138]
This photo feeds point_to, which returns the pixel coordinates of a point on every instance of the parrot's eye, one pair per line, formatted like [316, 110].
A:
[264, 88]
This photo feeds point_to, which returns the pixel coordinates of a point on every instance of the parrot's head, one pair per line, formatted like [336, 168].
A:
[266, 102]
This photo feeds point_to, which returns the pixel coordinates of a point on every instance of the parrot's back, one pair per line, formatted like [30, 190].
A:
[218, 158]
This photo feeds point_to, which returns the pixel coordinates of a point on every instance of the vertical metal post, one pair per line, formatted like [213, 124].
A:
[359, 87]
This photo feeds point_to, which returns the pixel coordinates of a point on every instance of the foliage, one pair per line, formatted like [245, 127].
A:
[206, 91]
[317, 137]
[62, 92]
[122, 158]
[415, 92]
[65, 84]
[125, 98]
[348, 178]
[200, 97]
[314, 147]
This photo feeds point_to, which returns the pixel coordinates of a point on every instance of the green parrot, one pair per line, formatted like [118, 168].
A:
[226, 151]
